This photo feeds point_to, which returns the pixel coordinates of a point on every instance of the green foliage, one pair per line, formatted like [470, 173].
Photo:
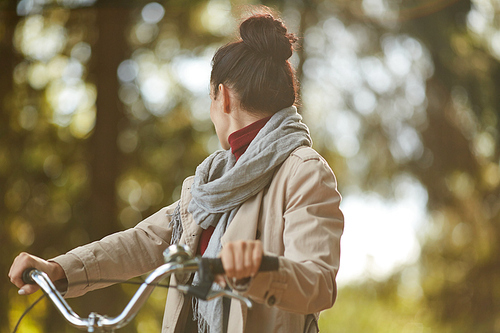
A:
[77, 163]
[408, 88]
[374, 307]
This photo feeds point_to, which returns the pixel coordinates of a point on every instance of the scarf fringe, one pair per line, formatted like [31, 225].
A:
[176, 225]
[203, 326]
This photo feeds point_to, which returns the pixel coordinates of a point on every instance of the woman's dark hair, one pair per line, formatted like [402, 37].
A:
[257, 67]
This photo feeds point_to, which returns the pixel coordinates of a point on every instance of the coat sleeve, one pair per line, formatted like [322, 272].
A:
[313, 225]
[121, 256]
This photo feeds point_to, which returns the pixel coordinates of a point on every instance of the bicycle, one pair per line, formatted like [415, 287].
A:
[178, 259]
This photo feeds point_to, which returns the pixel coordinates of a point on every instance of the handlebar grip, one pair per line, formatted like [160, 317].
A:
[268, 263]
[27, 275]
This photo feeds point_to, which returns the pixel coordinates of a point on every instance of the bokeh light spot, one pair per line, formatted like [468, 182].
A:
[61, 211]
[52, 166]
[128, 93]
[39, 40]
[128, 140]
[28, 118]
[217, 19]
[145, 32]
[81, 52]
[152, 13]
[83, 122]
[364, 101]
[38, 76]
[128, 70]
[484, 144]
[23, 232]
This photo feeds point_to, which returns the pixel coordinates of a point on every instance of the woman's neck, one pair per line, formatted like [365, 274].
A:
[242, 119]
[241, 139]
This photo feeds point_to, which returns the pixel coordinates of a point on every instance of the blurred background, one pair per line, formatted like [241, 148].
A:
[104, 111]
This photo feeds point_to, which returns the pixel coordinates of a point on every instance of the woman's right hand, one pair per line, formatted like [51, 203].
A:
[24, 261]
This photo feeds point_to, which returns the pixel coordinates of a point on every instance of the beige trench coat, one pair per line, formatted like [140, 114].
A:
[297, 218]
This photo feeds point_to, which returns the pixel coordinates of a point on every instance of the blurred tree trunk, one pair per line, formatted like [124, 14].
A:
[307, 14]
[109, 50]
[8, 61]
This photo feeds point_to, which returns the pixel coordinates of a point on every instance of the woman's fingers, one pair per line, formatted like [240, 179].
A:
[239, 259]
[227, 257]
[242, 259]
[24, 261]
[28, 289]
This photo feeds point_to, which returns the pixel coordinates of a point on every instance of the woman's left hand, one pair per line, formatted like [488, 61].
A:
[241, 259]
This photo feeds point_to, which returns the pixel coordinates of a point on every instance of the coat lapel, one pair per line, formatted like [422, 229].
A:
[246, 221]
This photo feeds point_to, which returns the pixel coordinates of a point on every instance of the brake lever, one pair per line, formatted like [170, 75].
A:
[211, 294]
[203, 290]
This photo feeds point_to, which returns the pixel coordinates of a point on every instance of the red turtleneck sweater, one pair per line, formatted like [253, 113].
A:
[239, 142]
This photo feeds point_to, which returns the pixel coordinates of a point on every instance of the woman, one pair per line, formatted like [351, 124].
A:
[267, 192]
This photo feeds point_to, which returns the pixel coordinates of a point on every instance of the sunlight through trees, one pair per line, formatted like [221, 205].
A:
[104, 111]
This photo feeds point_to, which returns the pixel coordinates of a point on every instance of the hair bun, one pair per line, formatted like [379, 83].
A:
[266, 35]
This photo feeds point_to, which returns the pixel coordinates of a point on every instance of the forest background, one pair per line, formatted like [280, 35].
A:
[104, 111]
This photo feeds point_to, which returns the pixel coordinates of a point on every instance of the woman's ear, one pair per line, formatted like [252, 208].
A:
[225, 94]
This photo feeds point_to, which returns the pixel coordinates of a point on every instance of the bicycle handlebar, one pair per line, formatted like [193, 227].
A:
[180, 262]
[100, 322]
[267, 264]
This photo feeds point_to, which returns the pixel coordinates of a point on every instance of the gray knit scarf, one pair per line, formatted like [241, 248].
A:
[221, 185]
